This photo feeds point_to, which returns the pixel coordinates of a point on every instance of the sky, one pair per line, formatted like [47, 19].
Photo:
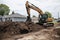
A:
[18, 6]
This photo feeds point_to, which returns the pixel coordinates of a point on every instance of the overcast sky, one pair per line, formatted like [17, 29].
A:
[18, 6]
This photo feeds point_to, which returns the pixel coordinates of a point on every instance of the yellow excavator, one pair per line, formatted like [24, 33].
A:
[43, 18]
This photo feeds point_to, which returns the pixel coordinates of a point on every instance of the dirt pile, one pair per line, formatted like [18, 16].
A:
[9, 29]
[13, 28]
[45, 34]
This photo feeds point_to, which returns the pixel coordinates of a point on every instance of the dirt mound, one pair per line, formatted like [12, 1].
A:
[13, 28]
[45, 34]
[9, 30]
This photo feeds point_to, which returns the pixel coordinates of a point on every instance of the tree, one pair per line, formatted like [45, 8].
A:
[34, 16]
[49, 14]
[4, 9]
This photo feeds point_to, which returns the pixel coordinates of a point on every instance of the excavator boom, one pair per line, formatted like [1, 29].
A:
[31, 6]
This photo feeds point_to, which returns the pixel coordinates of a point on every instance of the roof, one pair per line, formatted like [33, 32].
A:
[15, 15]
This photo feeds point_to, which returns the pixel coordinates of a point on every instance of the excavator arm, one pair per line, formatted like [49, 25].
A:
[31, 6]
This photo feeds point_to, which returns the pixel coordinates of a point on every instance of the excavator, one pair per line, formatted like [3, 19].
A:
[43, 19]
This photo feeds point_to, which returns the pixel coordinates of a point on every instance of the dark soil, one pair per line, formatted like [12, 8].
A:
[9, 28]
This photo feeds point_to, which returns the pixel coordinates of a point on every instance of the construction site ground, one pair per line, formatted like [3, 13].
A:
[28, 31]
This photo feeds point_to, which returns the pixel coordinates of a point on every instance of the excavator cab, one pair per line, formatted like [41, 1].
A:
[43, 18]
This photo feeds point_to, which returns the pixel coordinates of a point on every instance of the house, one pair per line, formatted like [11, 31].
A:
[35, 19]
[13, 17]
